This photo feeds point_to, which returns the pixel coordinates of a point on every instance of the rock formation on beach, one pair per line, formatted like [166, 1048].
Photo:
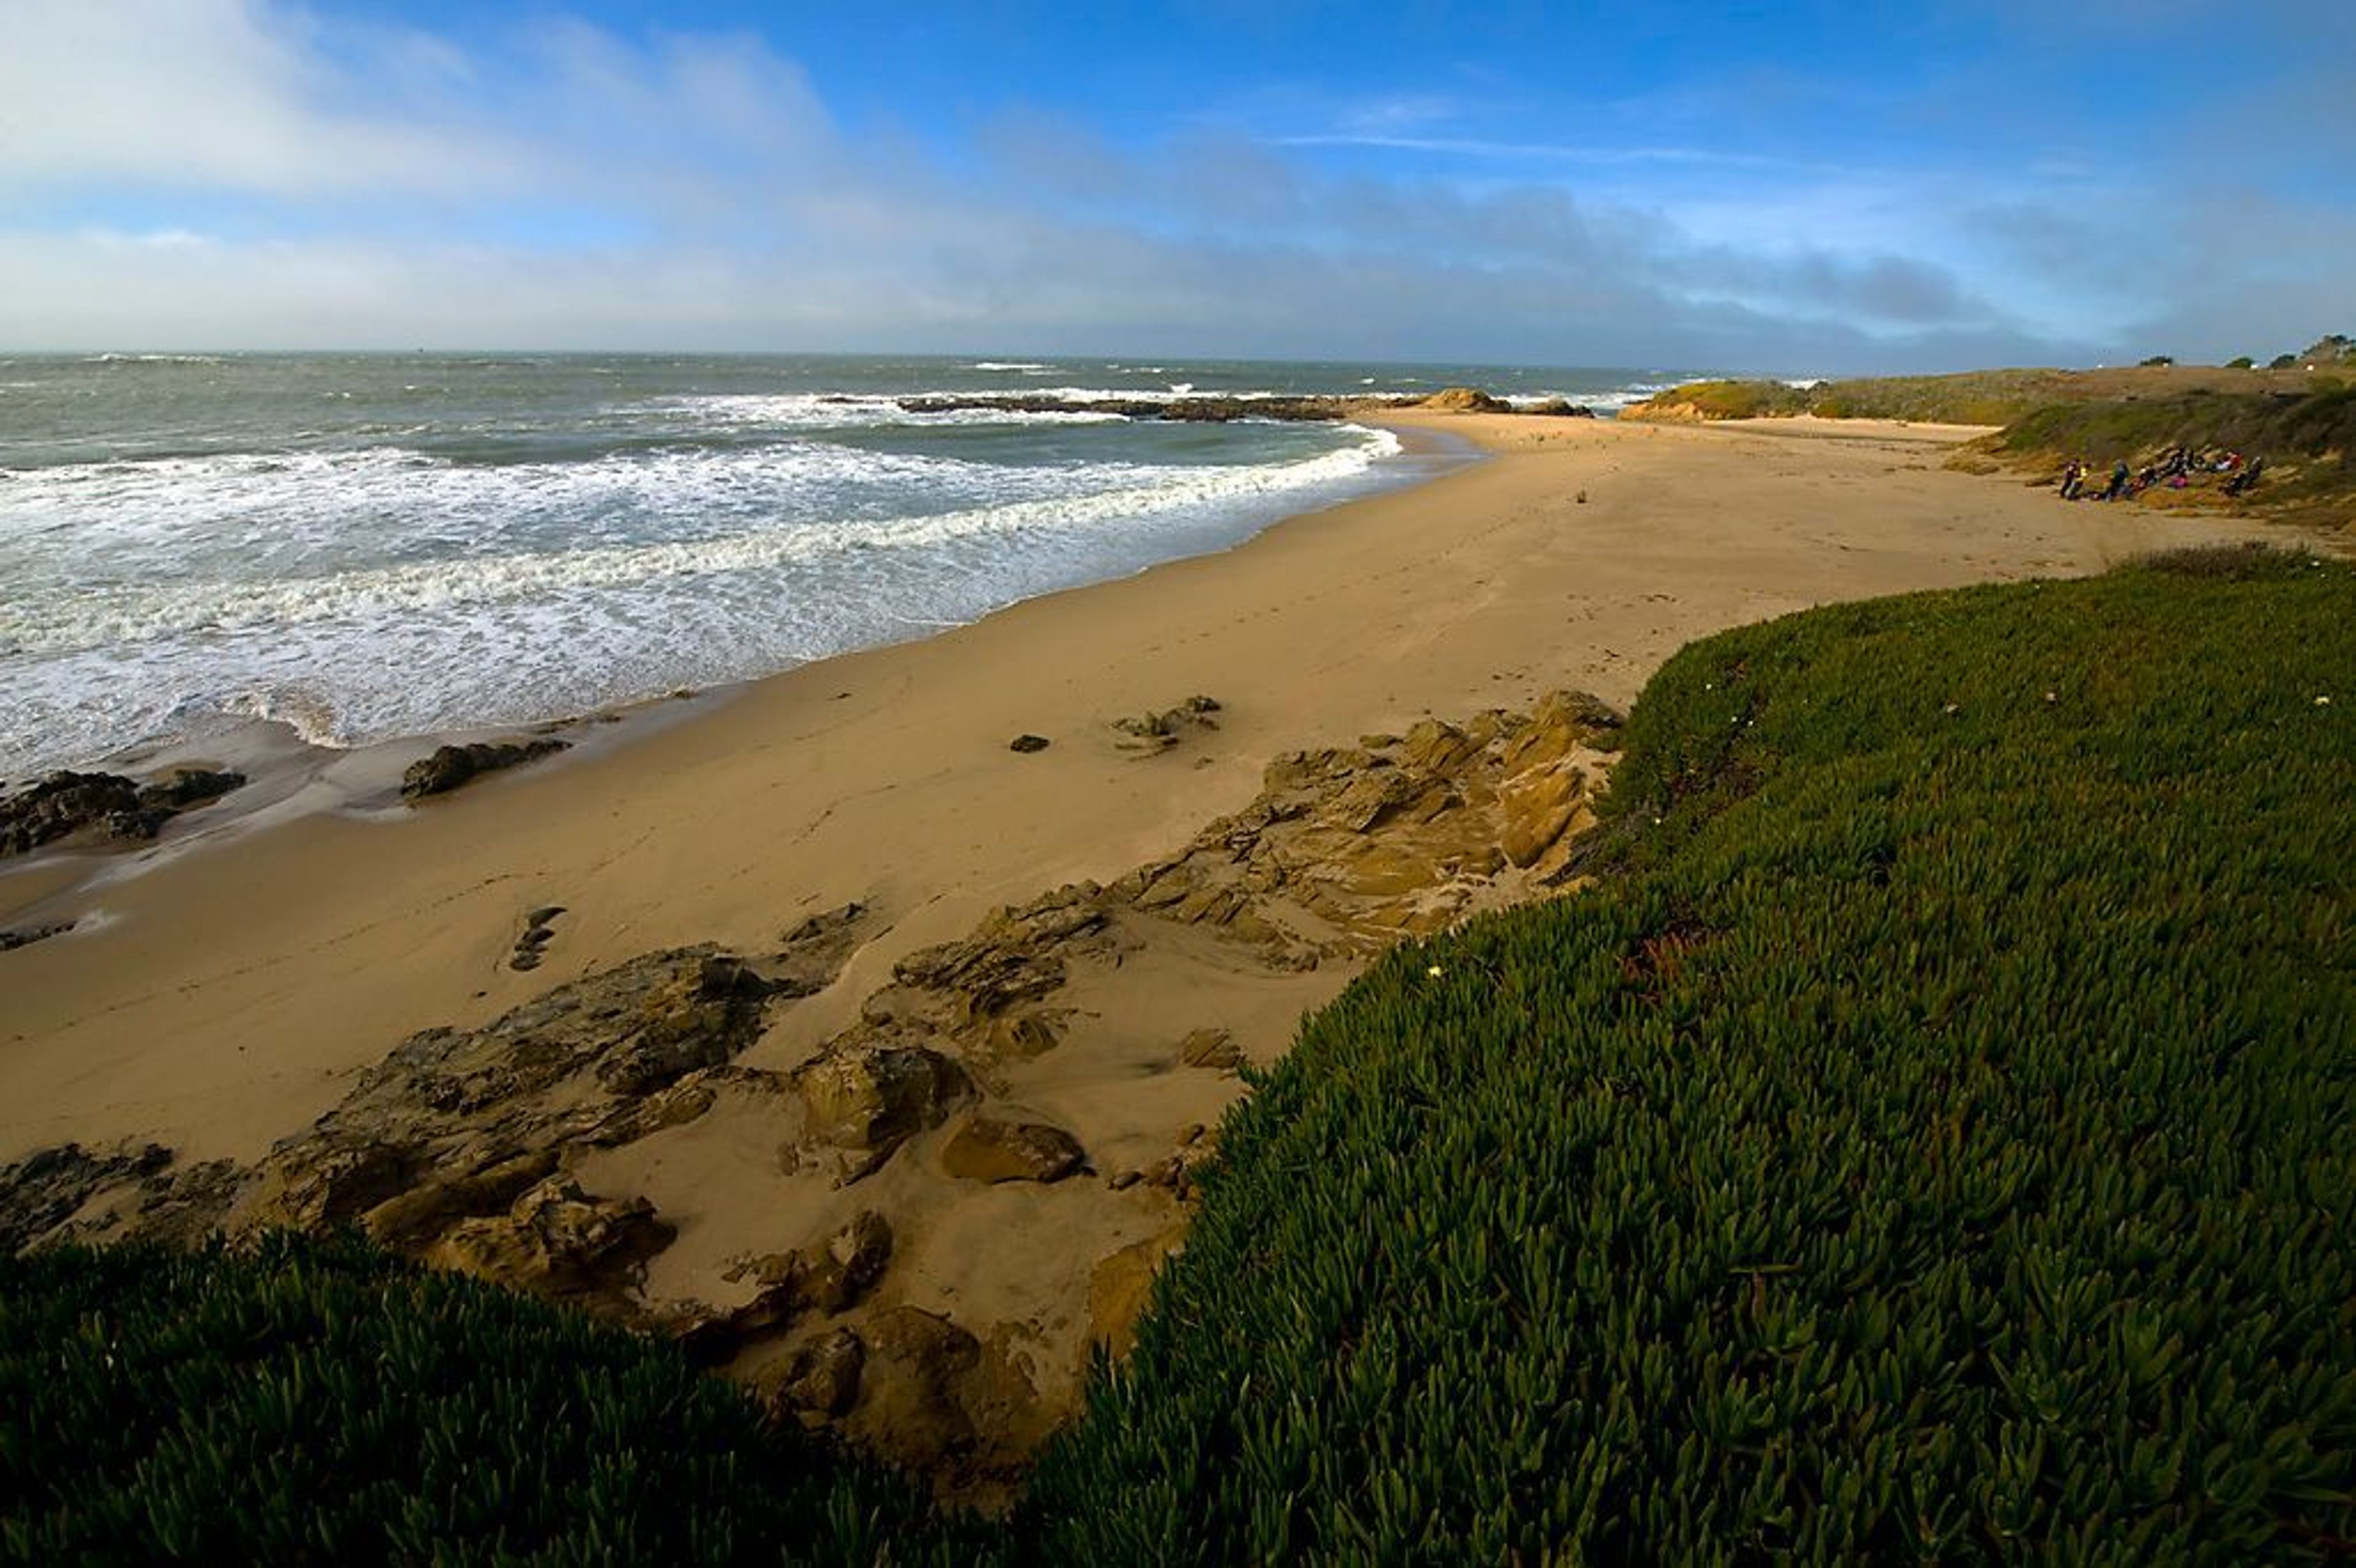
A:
[844, 1282]
[449, 767]
[103, 807]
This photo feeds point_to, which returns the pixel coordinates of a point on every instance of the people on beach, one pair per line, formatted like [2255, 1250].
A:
[2247, 479]
[2119, 480]
[2074, 478]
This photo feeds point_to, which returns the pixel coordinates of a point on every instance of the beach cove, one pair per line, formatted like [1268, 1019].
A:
[226, 997]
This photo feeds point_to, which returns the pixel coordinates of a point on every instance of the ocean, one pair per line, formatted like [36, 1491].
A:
[364, 547]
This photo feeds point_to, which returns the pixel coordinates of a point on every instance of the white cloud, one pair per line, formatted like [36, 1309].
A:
[218, 95]
[578, 188]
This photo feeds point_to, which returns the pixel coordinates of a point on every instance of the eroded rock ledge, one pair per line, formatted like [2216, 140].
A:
[947, 1201]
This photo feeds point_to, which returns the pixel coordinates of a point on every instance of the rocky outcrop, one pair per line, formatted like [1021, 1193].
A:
[556, 1241]
[821, 1383]
[451, 766]
[988, 1149]
[944, 1400]
[455, 1147]
[504, 1150]
[134, 1192]
[864, 1098]
[103, 808]
[1466, 400]
[1150, 734]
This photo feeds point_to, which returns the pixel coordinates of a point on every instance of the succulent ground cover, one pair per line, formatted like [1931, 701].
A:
[1926, 1140]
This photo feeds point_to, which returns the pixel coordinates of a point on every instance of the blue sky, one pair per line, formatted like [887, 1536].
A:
[1800, 187]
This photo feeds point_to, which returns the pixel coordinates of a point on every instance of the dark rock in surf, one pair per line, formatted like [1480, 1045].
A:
[451, 766]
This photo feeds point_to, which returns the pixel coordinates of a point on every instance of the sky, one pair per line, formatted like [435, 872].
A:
[1795, 189]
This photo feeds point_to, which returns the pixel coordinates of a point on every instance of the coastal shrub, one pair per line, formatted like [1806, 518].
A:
[2317, 422]
[322, 1401]
[1932, 1144]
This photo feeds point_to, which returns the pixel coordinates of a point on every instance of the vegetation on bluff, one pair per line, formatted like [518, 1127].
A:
[1929, 1141]
[2306, 436]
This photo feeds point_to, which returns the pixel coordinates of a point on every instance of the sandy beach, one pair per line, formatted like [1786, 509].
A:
[228, 995]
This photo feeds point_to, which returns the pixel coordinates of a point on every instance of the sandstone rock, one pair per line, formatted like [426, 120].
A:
[1029, 743]
[334, 1184]
[822, 1378]
[869, 1098]
[1152, 733]
[43, 1191]
[451, 766]
[557, 1240]
[692, 1021]
[934, 1398]
[1467, 400]
[986, 1149]
[1211, 1048]
[1018, 953]
[910, 1378]
[837, 1275]
[1561, 407]
[452, 1126]
[1122, 1284]
[413, 1218]
[814, 951]
[1536, 806]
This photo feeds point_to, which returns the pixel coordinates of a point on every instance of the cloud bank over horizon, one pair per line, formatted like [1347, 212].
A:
[1841, 192]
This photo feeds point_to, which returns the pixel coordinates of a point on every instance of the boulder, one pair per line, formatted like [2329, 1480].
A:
[987, 1150]
[821, 1379]
[836, 1274]
[1029, 743]
[557, 1240]
[1122, 1284]
[451, 766]
[870, 1098]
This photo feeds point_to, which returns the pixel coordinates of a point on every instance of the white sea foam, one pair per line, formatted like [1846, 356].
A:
[361, 595]
[1028, 367]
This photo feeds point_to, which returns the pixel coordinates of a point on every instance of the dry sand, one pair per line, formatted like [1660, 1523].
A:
[227, 994]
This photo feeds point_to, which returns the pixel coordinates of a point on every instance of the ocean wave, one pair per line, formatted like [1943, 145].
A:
[411, 647]
[1029, 367]
[477, 518]
[837, 411]
[154, 359]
